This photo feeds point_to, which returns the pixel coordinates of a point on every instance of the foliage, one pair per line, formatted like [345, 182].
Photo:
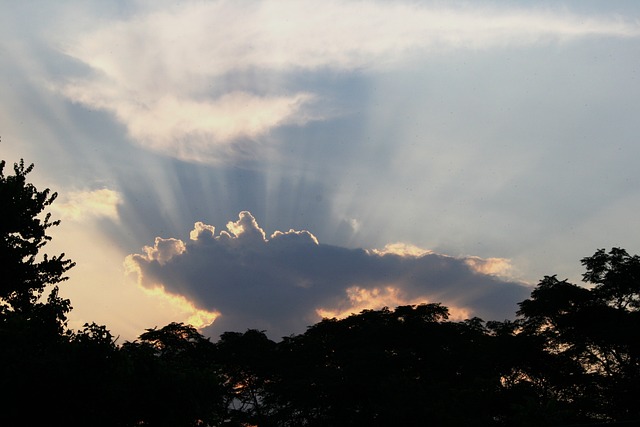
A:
[22, 235]
[388, 367]
[32, 330]
[589, 337]
[170, 379]
[246, 366]
[572, 355]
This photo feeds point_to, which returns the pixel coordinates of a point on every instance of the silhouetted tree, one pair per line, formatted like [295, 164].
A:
[32, 330]
[171, 379]
[571, 356]
[23, 233]
[589, 337]
[87, 375]
[247, 367]
[409, 366]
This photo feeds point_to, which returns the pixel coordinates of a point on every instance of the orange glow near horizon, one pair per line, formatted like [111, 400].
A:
[196, 317]
[180, 305]
[359, 299]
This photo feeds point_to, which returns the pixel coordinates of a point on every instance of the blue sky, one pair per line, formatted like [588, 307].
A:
[479, 145]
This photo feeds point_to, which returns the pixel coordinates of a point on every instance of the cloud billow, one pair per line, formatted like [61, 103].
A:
[182, 80]
[288, 281]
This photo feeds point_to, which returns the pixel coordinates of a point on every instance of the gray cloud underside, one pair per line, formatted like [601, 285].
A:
[277, 284]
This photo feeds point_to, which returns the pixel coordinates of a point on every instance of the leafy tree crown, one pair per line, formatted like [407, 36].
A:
[23, 233]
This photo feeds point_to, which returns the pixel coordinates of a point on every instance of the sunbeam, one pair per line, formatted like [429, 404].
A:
[493, 139]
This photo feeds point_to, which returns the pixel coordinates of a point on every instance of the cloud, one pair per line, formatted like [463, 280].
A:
[189, 129]
[403, 249]
[85, 204]
[162, 251]
[287, 281]
[492, 266]
[359, 299]
[190, 81]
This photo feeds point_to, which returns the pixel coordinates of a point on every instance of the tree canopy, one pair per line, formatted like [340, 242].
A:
[23, 234]
[570, 356]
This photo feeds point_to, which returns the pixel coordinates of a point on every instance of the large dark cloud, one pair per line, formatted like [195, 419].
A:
[280, 283]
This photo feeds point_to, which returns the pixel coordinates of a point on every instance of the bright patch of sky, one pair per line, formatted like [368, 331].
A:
[501, 137]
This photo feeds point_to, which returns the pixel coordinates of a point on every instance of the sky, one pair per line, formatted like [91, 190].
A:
[265, 164]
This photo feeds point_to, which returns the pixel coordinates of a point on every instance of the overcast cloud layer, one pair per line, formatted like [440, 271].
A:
[468, 135]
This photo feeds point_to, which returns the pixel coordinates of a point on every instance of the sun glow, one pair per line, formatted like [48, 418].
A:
[402, 249]
[492, 266]
[359, 299]
[79, 205]
[178, 305]
[183, 308]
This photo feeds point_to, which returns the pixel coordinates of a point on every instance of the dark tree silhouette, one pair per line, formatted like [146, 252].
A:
[571, 357]
[49, 374]
[409, 366]
[23, 233]
[588, 340]
[171, 379]
[32, 329]
[247, 365]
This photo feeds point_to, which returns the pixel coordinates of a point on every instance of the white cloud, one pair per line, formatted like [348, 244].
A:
[289, 281]
[189, 129]
[494, 266]
[403, 249]
[246, 228]
[191, 80]
[163, 250]
[79, 205]
[202, 228]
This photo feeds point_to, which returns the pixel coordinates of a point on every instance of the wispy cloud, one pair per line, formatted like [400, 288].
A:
[86, 204]
[287, 281]
[192, 130]
[190, 80]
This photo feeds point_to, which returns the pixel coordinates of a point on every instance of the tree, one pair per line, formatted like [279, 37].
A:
[23, 233]
[171, 380]
[409, 366]
[247, 365]
[616, 276]
[33, 330]
[590, 337]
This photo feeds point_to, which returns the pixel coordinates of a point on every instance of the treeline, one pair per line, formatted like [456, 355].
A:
[572, 356]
